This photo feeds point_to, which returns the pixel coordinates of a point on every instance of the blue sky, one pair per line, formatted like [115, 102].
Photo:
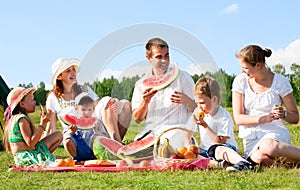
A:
[35, 33]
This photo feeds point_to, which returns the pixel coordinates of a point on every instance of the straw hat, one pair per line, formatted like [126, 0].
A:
[62, 64]
[15, 96]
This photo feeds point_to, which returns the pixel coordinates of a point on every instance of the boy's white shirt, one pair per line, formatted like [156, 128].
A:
[221, 123]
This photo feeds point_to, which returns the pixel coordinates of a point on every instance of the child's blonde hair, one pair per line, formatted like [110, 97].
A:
[208, 87]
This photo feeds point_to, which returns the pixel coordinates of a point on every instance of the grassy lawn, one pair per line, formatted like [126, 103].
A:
[270, 178]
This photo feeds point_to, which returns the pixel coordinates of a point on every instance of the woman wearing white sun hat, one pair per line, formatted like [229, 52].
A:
[115, 114]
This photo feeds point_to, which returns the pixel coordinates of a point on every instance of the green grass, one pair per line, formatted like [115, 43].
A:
[268, 178]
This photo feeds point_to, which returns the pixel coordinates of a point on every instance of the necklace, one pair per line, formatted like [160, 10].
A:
[67, 99]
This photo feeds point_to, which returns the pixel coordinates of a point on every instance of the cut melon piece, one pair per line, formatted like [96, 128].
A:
[138, 149]
[105, 148]
[82, 123]
[162, 82]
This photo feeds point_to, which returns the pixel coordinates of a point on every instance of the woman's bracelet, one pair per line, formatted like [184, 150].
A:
[44, 128]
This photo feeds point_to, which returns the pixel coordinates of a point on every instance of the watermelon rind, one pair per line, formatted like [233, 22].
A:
[63, 119]
[101, 148]
[135, 150]
[171, 79]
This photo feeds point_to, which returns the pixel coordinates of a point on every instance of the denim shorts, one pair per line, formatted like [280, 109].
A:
[84, 152]
[210, 153]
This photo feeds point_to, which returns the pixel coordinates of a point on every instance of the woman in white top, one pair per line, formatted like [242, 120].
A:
[257, 96]
[115, 114]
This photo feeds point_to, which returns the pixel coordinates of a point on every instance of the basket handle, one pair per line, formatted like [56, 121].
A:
[189, 132]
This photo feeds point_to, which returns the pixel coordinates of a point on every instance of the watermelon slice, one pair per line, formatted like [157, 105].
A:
[105, 148]
[162, 82]
[81, 122]
[138, 149]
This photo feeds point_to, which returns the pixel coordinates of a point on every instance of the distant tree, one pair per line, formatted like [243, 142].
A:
[279, 68]
[40, 94]
[124, 89]
[42, 85]
[26, 85]
[295, 81]
[225, 82]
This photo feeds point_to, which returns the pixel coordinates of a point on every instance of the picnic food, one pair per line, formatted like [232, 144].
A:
[162, 82]
[137, 149]
[188, 152]
[201, 115]
[81, 122]
[95, 163]
[189, 155]
[67, 162]
[105, 148]
[193, 148]
[166, 150]
[145, 163]
[124, 163]
[182, 151]
[60, 162]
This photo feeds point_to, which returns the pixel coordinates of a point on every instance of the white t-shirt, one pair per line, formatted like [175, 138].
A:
[221, 123]
[261, 104]
[161, 111]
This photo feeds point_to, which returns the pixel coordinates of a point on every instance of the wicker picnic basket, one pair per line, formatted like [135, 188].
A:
[163, 160]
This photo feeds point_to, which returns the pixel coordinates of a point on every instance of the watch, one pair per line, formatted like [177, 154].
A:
[284, 114]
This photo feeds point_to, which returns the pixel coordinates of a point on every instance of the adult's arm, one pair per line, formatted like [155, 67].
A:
[50, 105]
[187, 93]
[51, 126]
[292, 114]
[240, 116]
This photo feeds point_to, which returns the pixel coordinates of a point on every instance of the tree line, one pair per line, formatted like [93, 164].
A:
[123, 89]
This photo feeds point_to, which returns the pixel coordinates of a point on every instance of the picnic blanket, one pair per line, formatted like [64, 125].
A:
[198, 164]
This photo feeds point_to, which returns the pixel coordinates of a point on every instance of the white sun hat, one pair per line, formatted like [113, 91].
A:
[62, 64]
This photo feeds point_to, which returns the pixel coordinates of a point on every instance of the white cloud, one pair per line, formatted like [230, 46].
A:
[286, 56]
[107, 73]
[48, 86]
[230, 9]
[200, 68]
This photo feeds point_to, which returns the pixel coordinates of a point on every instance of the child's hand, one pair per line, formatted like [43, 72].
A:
[45, 116]
[72, 129]
[96, 127]
[199, 121]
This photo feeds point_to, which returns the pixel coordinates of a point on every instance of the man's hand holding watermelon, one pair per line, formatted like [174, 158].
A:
[148, 94]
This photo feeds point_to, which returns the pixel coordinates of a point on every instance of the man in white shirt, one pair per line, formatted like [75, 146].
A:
[171, 106]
